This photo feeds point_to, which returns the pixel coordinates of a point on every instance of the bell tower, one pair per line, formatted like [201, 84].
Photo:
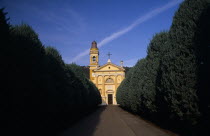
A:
[94, 57]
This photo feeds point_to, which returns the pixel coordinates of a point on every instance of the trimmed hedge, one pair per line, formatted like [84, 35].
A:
[40, 94]
[170, 85]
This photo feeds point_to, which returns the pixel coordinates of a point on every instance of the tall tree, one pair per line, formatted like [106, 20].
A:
[136, 87]
[92, 93]
[179, 80]
[155, 51]
[4, 59]
[123, 91]
[203, 57]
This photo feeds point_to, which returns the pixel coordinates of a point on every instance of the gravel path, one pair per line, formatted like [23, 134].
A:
[113, 121]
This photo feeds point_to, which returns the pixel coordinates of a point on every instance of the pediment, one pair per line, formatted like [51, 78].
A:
[110, 67]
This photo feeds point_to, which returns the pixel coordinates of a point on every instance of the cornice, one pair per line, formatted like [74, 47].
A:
[112, 74]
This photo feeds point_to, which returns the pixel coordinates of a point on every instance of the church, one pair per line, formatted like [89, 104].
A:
[107, 77]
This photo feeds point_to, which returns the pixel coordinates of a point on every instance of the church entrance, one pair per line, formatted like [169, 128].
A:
[110, 99]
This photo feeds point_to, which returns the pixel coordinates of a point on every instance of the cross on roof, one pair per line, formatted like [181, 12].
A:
[109, 55]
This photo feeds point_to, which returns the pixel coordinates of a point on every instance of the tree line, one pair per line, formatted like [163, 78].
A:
[39, 92]
[170, 85]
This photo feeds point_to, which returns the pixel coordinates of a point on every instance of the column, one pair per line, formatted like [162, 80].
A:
[103, 89]
[115, 92]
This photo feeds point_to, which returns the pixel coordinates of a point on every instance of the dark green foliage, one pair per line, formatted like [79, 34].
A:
[39, 92]
[140, 93]
[203, 54]
[136, 91]
[126, 69]
[170, 86]
[79, 73]
[86, 71]
[4, 27]
[156, 50]
[179, 79]
[91, 90]
[4, 41]
[123, 90]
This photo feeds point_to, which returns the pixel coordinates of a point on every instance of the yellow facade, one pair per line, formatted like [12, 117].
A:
[107, 77]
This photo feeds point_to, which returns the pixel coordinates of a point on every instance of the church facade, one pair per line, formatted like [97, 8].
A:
[107, 77]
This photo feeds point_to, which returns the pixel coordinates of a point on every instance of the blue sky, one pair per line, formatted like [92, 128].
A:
[122, 27]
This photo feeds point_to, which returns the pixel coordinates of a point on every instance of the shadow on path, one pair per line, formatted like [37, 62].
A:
[86, 126]
[114, 121]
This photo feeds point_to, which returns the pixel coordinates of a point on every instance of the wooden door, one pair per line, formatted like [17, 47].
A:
[110, 99]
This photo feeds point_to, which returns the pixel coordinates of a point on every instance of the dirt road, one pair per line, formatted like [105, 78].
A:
[113, 121]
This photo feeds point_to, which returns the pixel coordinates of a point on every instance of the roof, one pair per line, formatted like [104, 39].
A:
[94, 44]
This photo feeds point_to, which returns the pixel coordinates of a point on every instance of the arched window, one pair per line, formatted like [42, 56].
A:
[94, 58]
[109, 80]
